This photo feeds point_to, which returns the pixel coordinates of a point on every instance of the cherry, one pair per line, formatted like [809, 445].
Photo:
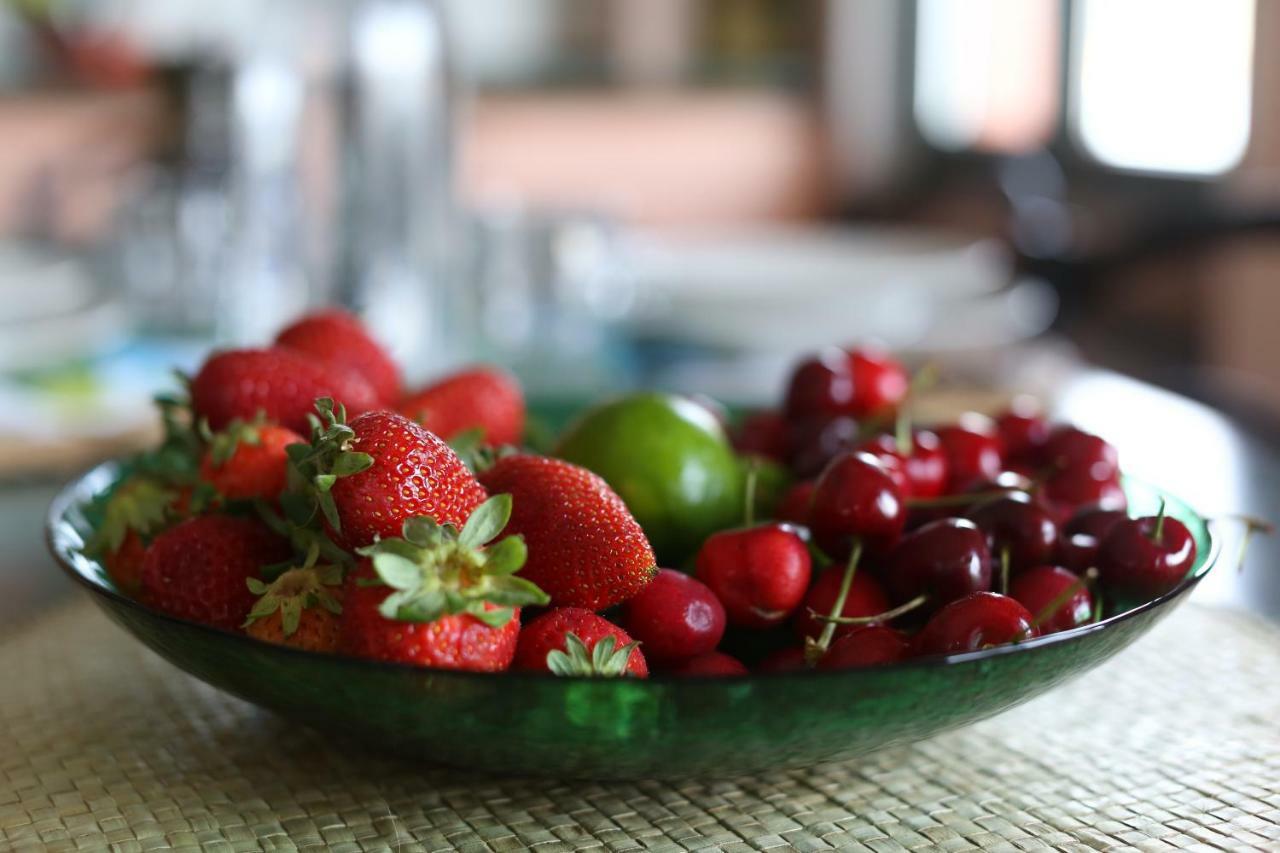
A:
[814, 441]
[789, 659]
[715, 664]
[1057, 597]
[794, 506]
[764, 434]
[942, 561]
[866, 597]
[822, 385]
[1146, 557]
[1017, 525]
[1072, 448]
[1067, 491]
[921, 471]
[1023, 431]
[868, 645]
[1082, 536]
[760, 574]
[972, 448]
[676, 618]
[879, 381]
[856, 500]
[978, 620]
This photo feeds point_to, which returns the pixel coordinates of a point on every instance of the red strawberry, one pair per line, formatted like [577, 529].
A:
[574, 641]
[300, 609]
[585, 548]
[439, 597]
[138, 509]
[483, 398]
[198, 570]
[247, 460]
[371, 476]
[279, 383]
[336, 337]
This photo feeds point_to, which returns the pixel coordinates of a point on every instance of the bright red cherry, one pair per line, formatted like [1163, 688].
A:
[1146, 557]
[1023, 431]
[712, 664]
[1017, 524]
[972, 448]
[943, 561]
[814, 441]
[676, 618]
[978, 620]
[1040, 586]
[879, 381]
[764, 434]
[789, 659]
[856, 499]
[1072, 448]
[868, 645]
[866, 598]
[760, 574]
[922, 472]
[822, 386]
[1065, 492]
[794, 506]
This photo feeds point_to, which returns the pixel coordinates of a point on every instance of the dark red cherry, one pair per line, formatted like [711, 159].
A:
[1081, 537]
[1146, 557]
[1040, 586]
[676, 617]
[1072, 448]
[789, 659]
[856, 499]
[814, 441]
[712, 664]
[760, 574]
[975, 622]
[1065, 492]
[879, 381]
[1096, 521]
[794, 506]
[866, 598]
[1023, 431]
[923, 471]
[944, 560]
[972, 448]
[822, 386]
[869, 645]
[764, 434]
[1017, 523]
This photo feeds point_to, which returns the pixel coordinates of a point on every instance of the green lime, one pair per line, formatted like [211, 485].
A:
[669, 460]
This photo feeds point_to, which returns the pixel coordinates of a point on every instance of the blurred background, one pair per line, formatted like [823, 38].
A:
[1077, 198]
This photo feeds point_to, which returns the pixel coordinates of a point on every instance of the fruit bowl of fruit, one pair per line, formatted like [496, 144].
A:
[669, 590]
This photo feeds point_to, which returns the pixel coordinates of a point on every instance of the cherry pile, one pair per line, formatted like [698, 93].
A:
[897, 541]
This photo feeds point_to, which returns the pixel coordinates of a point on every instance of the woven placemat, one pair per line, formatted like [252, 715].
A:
[1175, 744]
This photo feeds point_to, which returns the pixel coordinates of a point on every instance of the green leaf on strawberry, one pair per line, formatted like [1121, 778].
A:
[140, 504]
[435, 570]
[604, 661]
[314, 468]
[294, 591]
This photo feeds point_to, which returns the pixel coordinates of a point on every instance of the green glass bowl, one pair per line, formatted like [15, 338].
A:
[621, 728]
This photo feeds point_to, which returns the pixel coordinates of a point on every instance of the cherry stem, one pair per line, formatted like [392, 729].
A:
[1004, 570]
[1157, 535]
[886, 616]
[749, 511]
[1097, 605]
[1252, 525]
[958, 500]
[1046, 612]
[902, 431]
[815, 651]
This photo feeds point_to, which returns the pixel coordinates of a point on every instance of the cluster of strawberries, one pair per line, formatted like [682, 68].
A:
[301, 497]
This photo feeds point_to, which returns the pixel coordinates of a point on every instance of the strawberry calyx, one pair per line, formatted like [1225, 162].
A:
[436, 570]
[222, 445]
[296, 590]
[606, 660]
[307, 539]
[474, 453]
[315, 467]
[142, 505]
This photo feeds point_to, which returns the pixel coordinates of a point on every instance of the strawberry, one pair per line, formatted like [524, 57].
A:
[369, 477]
[439, 597]
[281, 384]
[199, 569]
[300, 609]
[139, 508]
[335, 337]
[585, 548]
[574, 641]
[247, 460]
[482, 398]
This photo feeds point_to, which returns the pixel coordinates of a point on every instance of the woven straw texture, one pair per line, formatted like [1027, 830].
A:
[1173, 745]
